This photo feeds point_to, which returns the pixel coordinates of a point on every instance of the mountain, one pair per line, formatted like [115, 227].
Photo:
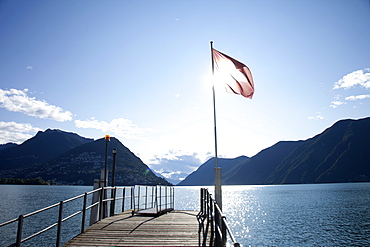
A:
[40, 148]
[80, 164]
[7, 145]
[204, 175]
[341, 153]
[260, 166]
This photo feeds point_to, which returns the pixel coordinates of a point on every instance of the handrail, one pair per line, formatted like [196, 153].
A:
[158, 199]
[219, 226]
[20, 219]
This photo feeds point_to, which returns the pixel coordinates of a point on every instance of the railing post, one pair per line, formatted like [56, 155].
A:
[113, 202]
[152, 197]
[156, 198]
[19, 231]
[84, 213]
[173, 197]
[60, 219]
[105, 203]
[205, 202]
[217, 226]
[223, 230]
[146, 197]
[101, 208]
[138, 199]
[166, 188]
[123, 199]
[94, 212]
[160, 198]
[132, 197]
[209, 205]
[211, 218]
[201, 201]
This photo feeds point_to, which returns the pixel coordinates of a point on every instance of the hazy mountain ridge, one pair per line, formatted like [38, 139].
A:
[80, 164]
[204, 175]
[341, 153]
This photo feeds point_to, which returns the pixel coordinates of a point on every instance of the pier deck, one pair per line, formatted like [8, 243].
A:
[176, 228]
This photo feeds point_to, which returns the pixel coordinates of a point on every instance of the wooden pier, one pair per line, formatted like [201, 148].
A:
[176, 228]
[149, 220]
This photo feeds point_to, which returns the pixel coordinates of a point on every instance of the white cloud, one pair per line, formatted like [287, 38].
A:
[29, 67]
[16, 132]
[358, 77]
[358, 97]
[175, 165]
[335, 104]
[337, 97]
[18, 101]
[120, 127]
[318, 117]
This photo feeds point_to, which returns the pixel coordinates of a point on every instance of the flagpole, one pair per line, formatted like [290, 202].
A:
[217, 170]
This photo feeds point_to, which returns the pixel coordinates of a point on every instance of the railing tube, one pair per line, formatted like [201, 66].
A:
[60, 219]
[84, 213]
[19, 231]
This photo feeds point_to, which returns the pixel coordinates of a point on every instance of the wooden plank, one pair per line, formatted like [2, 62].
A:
[177, 228]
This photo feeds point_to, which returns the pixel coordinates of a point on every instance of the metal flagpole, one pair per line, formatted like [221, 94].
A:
[217, 170]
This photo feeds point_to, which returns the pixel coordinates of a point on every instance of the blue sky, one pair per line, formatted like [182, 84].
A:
[140, 71]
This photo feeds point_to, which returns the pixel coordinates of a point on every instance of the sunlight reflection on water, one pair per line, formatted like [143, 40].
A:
[273, 215]
[292, 215]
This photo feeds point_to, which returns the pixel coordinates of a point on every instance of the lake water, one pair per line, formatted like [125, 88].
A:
[273, 215]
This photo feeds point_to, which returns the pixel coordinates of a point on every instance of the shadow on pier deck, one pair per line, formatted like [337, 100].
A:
[176, 228]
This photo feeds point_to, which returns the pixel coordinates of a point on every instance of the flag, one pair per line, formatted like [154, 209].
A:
[238, 77]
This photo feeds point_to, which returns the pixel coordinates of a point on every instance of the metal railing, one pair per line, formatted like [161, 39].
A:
[61, 218]
[158, 198]
[219, 226]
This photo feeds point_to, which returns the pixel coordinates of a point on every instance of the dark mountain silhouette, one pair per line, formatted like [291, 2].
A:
[260, 166]
[339, 154]
[80, 164]
[204, 175]
[7, 145]
[40, 148]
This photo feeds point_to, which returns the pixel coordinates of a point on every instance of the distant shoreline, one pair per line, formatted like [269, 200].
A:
[21, 181]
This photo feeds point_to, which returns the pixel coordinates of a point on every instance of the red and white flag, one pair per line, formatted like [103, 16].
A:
[236, 76]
